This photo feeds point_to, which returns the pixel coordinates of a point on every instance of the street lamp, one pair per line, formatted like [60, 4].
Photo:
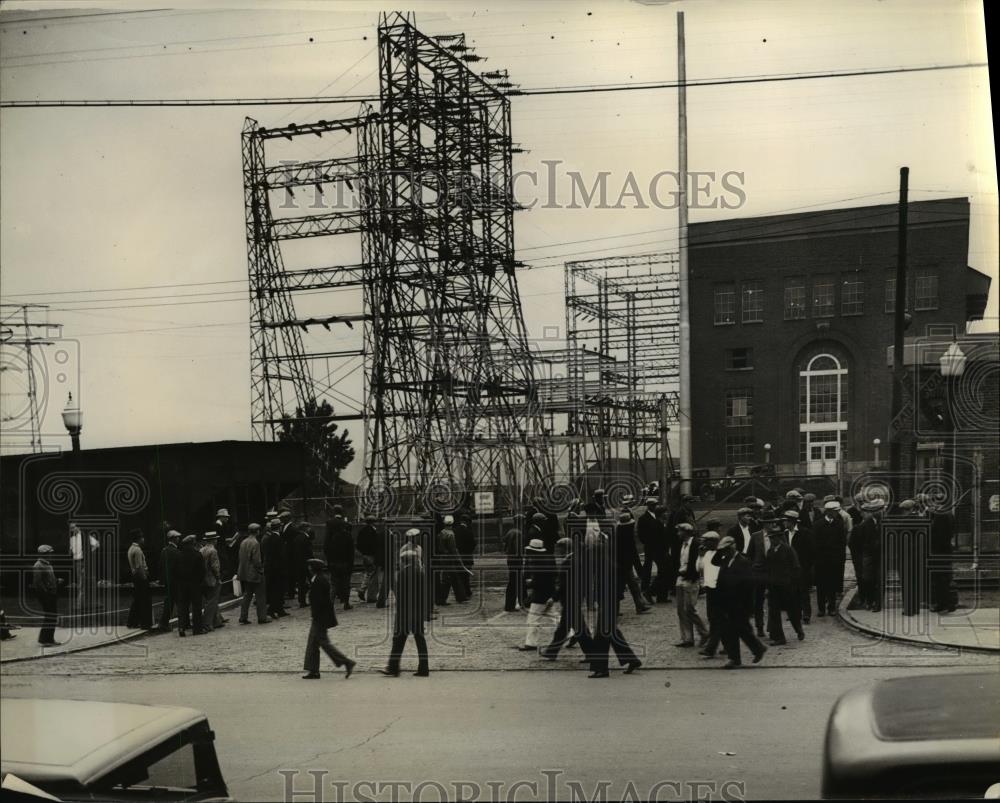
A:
[73, 421]
[767, 453]
[876, 443]
[952, 368]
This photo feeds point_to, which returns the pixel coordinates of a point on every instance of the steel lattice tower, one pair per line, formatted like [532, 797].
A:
[450, 398]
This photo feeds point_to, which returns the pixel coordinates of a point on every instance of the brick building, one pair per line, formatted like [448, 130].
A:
[791, 316]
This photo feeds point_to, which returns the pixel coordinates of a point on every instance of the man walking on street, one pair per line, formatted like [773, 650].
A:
[709, 571]
[211, 587]
[802, 542]
[512, 547]
[411, 603]
[782, 585]
[140, 613]
[687, 589]
[251, 576]
[653, 538]
[323, 618]
[735, 587]
[46, 590]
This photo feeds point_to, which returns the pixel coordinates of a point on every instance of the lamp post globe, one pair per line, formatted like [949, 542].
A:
[73, 421]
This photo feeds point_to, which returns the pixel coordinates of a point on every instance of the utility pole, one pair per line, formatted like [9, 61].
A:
[665, 460]
[899, 326]
[684, 411]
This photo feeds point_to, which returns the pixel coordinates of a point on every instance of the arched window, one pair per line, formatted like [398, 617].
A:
[823, 412]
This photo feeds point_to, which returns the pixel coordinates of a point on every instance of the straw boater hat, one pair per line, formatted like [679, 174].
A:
[210, 536]
[652, 501]
[271, 514]
[413, 532]
[535, 545]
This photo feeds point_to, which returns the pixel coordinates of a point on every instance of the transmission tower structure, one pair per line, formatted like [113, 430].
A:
[622, 362]
[449, 399]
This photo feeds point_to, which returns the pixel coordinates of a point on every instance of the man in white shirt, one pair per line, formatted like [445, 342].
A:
[709, 580]
[742, 531]
[82, 560]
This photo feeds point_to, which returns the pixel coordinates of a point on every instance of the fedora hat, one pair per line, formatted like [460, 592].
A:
[535, 545]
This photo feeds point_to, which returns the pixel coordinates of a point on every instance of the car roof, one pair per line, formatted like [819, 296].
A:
[80, 741]
[938, 707]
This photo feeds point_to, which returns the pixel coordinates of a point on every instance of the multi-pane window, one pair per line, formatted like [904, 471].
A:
[739, 447]
[890, 295]
[795, 300]
[725, 305]
[824, 295]
[739, 407]
[753, 302]
[852, 297]
[739, 359]
[926, 292]
[739, 425]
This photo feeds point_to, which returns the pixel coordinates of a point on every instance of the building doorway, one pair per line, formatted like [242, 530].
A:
[823, 414]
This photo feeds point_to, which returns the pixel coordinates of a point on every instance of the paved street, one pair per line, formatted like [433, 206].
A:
[500, 727]
[476, 719]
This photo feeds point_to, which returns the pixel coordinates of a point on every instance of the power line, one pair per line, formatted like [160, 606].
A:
[740, 226]
[42, 20]
[565, 90]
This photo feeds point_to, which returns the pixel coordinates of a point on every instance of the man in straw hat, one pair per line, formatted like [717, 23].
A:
[323, 617]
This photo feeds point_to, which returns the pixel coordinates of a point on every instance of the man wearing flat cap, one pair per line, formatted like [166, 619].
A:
[211, 587]
[46, 591]
[782, 585]
[170, 577]
[830, 543]
[251, 577]
[687, 589]
[801, 541]
[192, 568]
[653, 538]
[869, 537]
[323, 617]
[735, 590]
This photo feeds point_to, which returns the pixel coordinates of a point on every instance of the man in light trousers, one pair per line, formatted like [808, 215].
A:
[688, 586]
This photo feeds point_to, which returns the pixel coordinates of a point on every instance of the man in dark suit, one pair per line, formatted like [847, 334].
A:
[626, 557]
[760, 543]
[600, 581]
[338, 549]
[782, 585]
[654, 546]
[272, 552]
[801, 541]
[830, 543]
[323, 618]
[169, 577]
[742, 531]
[191, 574]
[597, 507]
[735, 589]
[944, 598]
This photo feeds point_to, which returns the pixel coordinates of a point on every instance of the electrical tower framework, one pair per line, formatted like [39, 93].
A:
[449, 399]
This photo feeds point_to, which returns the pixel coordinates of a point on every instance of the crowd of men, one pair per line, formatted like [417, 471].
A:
[754, 576]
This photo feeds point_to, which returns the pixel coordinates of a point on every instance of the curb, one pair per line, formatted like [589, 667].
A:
[845, 616]
[128, 635]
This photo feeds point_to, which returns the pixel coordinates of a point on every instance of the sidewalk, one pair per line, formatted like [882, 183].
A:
[87, 637]
[966, 628]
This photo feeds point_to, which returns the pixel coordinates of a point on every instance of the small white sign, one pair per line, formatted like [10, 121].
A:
[484, 501]
[995, 503]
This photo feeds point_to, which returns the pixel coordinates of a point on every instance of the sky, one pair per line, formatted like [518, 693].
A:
[97, 201]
